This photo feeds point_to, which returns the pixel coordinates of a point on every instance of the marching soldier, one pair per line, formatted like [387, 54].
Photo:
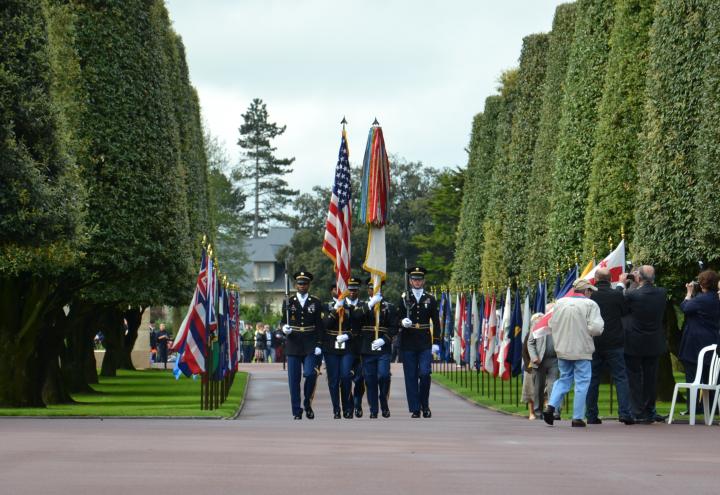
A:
[376, 349]
[336, 347]
[303, 332]
[420, 340]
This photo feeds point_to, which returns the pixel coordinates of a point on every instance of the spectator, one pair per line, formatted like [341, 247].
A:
[162, 345]
[269, 349]
[609, 349]
[575, 321]
[248, 343]
[153, 341]
[99, 339]
[702, 323]
[544, 365]
[644, 343]
[260, 342]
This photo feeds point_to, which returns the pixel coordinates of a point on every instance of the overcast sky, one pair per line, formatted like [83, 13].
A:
[423, 68]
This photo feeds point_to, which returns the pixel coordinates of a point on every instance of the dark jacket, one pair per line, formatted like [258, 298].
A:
[644, 330]
[306, 322]
[612, 308]
[425, 318]
[387, 327]
[331, 322]
[702, 324]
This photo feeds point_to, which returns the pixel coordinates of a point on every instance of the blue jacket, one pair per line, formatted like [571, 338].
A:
[702, 324]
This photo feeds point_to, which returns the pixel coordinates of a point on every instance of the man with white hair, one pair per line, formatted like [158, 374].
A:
[575, 321]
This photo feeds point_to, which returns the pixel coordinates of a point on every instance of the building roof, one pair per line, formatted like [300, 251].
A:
[264, 250]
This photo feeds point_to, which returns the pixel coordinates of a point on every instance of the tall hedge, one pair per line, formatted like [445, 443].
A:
[611, 200]
[583, 90]
[41, 198]
[536, 257]
[668, 207]
[524, 132]
[469, 237]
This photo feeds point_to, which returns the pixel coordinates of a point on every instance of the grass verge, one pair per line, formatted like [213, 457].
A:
[147, 393]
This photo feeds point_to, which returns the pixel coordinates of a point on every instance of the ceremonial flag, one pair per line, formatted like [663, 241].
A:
[475, 326]
[516, 341]
[457, 345]
[570, 278]
[491, 338]
[339, 220]
[615, 262]
[542, 327]
[541, 296]
[448, 328]
[191, 341]
[588, 268]
[374, 204]
[526, 315]
[222, 340]
[504, 338]
[234, 334]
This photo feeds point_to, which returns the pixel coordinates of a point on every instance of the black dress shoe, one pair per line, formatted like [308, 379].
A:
[358, 412]
[427, 413]
[644, 421]
[336, 415]
[578, 423]
[373, 415]
[415, 414]
[627, 420]
[549, 415]
[347, 414]
[309, 413]
[386, 413]
[658, 418]
[594, 421]
[298, 416]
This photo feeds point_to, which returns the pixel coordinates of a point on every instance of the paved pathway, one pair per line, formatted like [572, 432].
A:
[462, 449]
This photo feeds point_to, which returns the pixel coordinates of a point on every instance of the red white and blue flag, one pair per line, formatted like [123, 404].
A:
[339, 220]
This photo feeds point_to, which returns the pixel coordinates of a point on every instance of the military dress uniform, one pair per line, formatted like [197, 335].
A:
[376, 361]
[339, 356]
[416, 344]
[307, 327]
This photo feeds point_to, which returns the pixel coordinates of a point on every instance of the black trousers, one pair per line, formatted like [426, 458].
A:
[642, 378]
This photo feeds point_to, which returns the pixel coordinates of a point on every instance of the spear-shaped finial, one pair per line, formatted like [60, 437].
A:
[343, 121]
[375, 122]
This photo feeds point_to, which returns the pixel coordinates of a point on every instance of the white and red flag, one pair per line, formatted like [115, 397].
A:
[615, 262]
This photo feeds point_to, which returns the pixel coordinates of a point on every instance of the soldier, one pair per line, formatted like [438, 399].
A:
[336, 347]
[376, 349]
[420, 340]
[303, 332]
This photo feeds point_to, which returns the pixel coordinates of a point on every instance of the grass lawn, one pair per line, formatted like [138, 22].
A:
[503, 398]
[141, 393]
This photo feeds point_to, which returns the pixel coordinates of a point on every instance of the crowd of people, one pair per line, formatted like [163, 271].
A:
[620, 328]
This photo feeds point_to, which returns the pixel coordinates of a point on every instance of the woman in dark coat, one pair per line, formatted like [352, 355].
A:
[702, 322]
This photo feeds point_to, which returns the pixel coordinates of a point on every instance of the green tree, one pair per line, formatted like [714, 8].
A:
[262, 170]
[436, 247]
[611, 201]
[583, 91]
[536, 258]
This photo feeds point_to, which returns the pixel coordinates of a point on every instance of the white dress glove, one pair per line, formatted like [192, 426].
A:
[286, 329]
[377, 344]
[342, 338]
[435, 349]
[318, 351]
[339, 304]
[406, 322]
[374, 300]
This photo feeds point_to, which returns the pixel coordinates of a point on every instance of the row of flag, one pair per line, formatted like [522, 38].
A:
[487, 331]
[208, 340]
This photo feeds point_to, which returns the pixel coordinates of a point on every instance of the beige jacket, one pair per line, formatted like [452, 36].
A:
[574, 323]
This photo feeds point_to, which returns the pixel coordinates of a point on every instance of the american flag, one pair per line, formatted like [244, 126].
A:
[339, 220]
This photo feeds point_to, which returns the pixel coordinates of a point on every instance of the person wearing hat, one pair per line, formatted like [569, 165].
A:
[420, 340]
[302, 326]
[375, 348]
[575, 321]
[336, 347]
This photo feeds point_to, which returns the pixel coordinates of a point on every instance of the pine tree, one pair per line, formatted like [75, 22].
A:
[262, 169]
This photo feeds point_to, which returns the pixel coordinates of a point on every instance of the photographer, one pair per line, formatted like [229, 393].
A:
[702, 322]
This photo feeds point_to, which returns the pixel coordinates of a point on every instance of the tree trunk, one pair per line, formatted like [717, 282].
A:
[114, 331]
[79, 364]
[50, 347]
[133, 316]
[256, 221]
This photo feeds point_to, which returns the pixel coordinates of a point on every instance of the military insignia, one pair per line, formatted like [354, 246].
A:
[311, 309]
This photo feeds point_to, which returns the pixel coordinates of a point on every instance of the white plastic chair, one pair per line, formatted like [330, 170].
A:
[697, 384]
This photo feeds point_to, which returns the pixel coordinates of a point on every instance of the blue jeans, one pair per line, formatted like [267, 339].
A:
[299, 366]
[376, 368]
[579, 371]
[417, 368]
[615, 360]
[339, 370]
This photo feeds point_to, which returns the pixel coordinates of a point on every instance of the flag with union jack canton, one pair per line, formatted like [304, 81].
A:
[339, 220]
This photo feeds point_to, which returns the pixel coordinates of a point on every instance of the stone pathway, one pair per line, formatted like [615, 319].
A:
[462, 449]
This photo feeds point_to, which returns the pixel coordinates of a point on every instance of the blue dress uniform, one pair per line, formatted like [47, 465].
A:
[416, 344]
[358, 380]
[376, 362]
[339, 356]
[307, 326]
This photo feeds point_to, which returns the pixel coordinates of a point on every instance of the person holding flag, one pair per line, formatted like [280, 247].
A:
[302, 326]
[420, 340]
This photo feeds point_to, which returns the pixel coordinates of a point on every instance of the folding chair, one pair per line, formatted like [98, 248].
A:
[697, 384]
